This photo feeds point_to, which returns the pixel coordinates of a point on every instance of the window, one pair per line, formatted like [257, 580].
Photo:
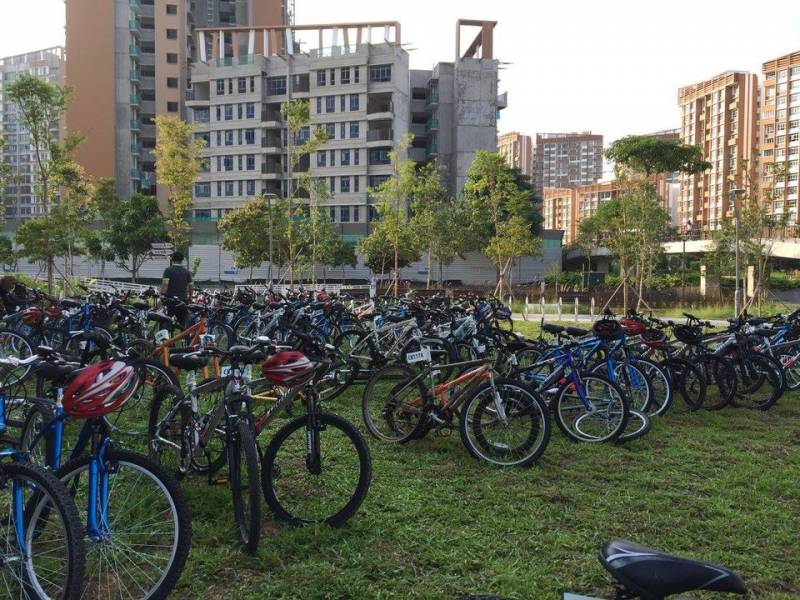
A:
[332, 184]
[249, 136]
[321, 77]
[172, 9]
[252, 83]
[251, 162]
[172, 58]
[345, 75]
[239, 111]
[321, 158]
[201, 115]
[333, 158]
[276, 86]
[330, 104]
[227, 162]
[342, 130]
[353, 102]
[219, 188]
[330, 130]
[344, 185]
[229, 112]
[242, 85]
[333, 76]
[375, 181]
[172, 82]
[202, 190]
[344, 214]
[251, 187]
[229, 189]
[219, 113]
[219, 139]
[230, 86]
[356, 156]
[172, 34]
[342, 103]
[345, 158]
[172, 107]
[333, 214]
[250, 110]
[356, 186]
[205, 136]
[319, 104]
[353, 129]
[380, 72]
[379, 156]
[356, 215]
[355, 74]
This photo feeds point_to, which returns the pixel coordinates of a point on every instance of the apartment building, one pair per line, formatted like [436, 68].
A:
[360, 91]
[20, 197]
[779, 136]
[559, 212]
[128, 62]
[518, 150]
[563, 160]
[719, 115]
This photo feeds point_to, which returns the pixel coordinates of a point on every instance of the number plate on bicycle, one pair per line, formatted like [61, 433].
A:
[162, 335]
[422, 355]
[224, 371]
[207, 340]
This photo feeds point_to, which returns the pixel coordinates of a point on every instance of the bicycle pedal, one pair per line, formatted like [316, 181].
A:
[221, 481]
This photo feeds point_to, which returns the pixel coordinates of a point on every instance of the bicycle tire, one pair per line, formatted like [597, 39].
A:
[618, 396]
[720, 375]
[274, 468]
[642, 424]
[48, 496]
[246, 495]
[769, 373]
[384, 396]
[688, 380]
[642, 387]
[163, 453]
[40, 413]
[70, 475]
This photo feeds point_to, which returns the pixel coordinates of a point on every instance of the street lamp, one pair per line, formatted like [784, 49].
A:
[687, 231]
[737, 298]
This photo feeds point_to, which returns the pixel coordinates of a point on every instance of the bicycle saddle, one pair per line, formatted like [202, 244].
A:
[653, 575]
[158, 317]
[188, 362]
[67, 303]
[550, 328]
[140, 305]
[246, 354]
[577, 331]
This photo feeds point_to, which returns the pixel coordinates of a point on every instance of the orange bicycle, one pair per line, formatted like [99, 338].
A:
[501, 421]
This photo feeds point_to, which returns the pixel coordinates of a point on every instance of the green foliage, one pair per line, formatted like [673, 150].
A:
[245, 231]
[650, 155]
[135, 225]
[558, 277]
[392, 244]
[782, 280]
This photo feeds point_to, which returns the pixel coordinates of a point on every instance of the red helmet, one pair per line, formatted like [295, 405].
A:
[633, 326]
[32, 316]
[323, 296]
[100, 389]
[287, 368]
[53, 312]
[654, 338]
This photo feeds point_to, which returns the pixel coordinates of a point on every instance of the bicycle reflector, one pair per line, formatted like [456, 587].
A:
[287, 368]
[633, 326]
[100, 389]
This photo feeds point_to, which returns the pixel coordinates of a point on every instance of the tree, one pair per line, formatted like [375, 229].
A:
[243, 232]
[135, 225]
[512, 241]
[650, 155]
[390, 246]
[6, 172]
[177, 155]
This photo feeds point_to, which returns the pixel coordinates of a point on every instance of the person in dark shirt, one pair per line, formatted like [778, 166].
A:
[177, 283]
[12, 294]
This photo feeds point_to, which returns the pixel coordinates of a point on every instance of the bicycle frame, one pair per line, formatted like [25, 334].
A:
[566, 366]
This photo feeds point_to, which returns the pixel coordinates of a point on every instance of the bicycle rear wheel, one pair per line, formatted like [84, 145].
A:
[688, 380]
[300, 488]
[243, 480]
[639, 425]
[394, 405]
[44, 555]
[721, 381]
[761, 382]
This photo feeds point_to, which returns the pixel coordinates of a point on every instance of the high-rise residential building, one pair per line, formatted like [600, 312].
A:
[558, 212]
[719, 115]
[779, 136]
[360, 91]
[21, 201]
[563, 160]
[518, 150]
[128, 63]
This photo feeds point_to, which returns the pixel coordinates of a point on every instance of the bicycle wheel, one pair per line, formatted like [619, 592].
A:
[505, 424]
[632, 380]
[337, 379]
[143, 548]
[639, 425]
[14, 345]
[169, 441]
[243, 480]
[301, 488]
[602, 417]
[661, 397]
[688, 380]
[35, 439]
[721, 381]
[760, 382]
[394, 404]
[790, 360]
[223, 335]
[44, 555]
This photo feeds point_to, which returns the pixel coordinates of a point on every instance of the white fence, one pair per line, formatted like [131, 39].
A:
[562, 310]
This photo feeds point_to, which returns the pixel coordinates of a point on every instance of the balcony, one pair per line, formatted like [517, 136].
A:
[133, 49]
[136, 149]
[433, 97]
[135, 99]
[136, 174]
[134, 75]
[380, 135]
[134, 26]
[136, 124]
[432, 124]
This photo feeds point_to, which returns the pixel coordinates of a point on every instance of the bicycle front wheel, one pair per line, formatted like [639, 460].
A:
[600, 414]
[243, 480]
[328, 488]
[43, 556]
[140, 551]
[505, 424]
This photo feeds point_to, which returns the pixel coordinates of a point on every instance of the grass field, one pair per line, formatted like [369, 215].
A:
[722, 486]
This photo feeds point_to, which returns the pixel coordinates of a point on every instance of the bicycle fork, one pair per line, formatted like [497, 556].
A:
[313, 426]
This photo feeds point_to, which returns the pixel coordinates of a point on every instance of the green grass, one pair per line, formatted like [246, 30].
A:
[720, 486]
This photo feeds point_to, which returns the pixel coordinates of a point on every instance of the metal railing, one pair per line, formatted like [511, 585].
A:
[379, 135]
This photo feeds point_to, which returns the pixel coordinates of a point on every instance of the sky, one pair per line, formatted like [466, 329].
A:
[613, 67]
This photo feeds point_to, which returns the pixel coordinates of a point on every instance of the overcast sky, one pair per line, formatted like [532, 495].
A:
[613, 66]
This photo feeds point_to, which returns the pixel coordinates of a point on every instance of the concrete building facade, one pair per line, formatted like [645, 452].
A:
[360, 91]
[21, 201]
[518, 150]
[779, 136]
[719, 115]
[128, 63]
[562, 160]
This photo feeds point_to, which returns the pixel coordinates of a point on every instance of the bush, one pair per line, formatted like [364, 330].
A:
[571, 278]
[782, 280]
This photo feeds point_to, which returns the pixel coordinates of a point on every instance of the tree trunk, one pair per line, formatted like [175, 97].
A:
[430, 265]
